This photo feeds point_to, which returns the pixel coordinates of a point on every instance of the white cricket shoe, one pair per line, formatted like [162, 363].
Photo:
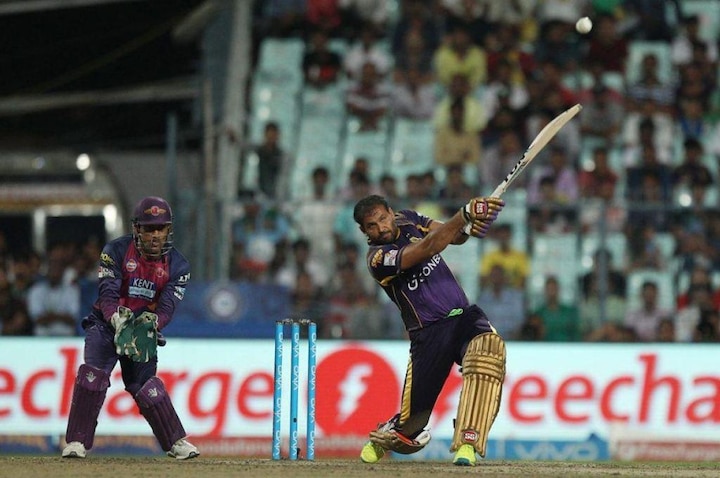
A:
[183, 450]
[74, 449]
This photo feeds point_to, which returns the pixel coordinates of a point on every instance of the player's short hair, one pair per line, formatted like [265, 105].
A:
[366, 205]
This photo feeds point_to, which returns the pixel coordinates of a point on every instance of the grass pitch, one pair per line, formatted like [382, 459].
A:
[22, 466]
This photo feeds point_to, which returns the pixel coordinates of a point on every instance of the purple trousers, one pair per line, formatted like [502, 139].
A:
[100, 353]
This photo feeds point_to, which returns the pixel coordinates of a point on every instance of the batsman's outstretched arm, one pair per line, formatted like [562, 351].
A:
[472, 219]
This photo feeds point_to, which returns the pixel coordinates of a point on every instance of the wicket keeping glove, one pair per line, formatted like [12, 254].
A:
[144, 338]
[122, 321]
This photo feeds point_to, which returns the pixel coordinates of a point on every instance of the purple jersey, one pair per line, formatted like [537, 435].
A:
[128, 279]
[425, 293]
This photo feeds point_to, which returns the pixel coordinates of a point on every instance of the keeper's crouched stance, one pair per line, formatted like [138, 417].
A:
[141, 280]
[444, 328]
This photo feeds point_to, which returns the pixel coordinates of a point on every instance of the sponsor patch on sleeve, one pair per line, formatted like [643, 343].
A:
[376, 258]
[390, 258]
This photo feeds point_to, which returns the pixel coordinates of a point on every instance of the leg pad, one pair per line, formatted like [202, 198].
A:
[483, 371]
[158, 410]
[91, 385]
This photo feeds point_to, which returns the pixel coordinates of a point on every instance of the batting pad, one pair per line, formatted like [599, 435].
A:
[483, 371]
[91, 385]
[158, 410]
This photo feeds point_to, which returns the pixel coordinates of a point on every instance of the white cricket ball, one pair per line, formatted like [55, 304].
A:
[584, 25]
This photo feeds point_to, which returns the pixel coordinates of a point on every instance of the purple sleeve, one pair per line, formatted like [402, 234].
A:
[174, 290]
[110, 279]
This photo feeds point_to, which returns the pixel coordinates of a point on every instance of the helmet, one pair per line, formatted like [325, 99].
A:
[152, 211]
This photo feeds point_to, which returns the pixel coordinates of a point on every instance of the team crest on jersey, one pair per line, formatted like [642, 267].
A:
[390, 258]
[159, 272]
[376, 258]
[131, 265]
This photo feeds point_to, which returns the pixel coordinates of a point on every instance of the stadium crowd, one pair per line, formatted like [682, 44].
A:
[637, 169]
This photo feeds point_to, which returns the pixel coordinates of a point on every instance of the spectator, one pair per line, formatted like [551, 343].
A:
[645, 319]
[272, 161]
[602, 117]
[459, 56]
[665, 330]
[389, 188]
[455, 191]
[474, 117]
[499, 159]
[561, 11]
[367, 99]
[687, 319]
[605, 210]
[696, 82]
[257, 231]
[470, 16]
[344, 228]
[315, 216]
[707, 329]
[307, 300]
[54, 306]
[503, 90]
[454, 145]
[279, 18]
[321, 66]
[691, 119]
[598, 177]
[413, 98]
[601, 314]
[648, 127]
[14, 318]
[650, 180]
[698, 277]
[360, 14]
[503, 302]
[563, 183]
[504, 44]
[649, 86]
[645, 251]
[24, 273]
[650, 20]
[691, 172]
[366, 50]
[415, 56]
[325, 16]
[683, 43]
[302, 262]
[344, 304]
[515, 262]
[416, 23]
[607, 46]
[560, 320]
[556, 46]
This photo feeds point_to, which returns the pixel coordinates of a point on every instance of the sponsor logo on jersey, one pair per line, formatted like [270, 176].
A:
[184, 279]
[104, 272]
[179, 292]
[131, 265]
[106, 259]
[390, 258]
[142, 288]
[376, 258]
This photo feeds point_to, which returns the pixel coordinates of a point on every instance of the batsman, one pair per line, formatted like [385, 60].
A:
[142, 277]
[443, 327]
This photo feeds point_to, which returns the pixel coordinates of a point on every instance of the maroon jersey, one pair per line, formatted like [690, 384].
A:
[426, 292]
[128, 279]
